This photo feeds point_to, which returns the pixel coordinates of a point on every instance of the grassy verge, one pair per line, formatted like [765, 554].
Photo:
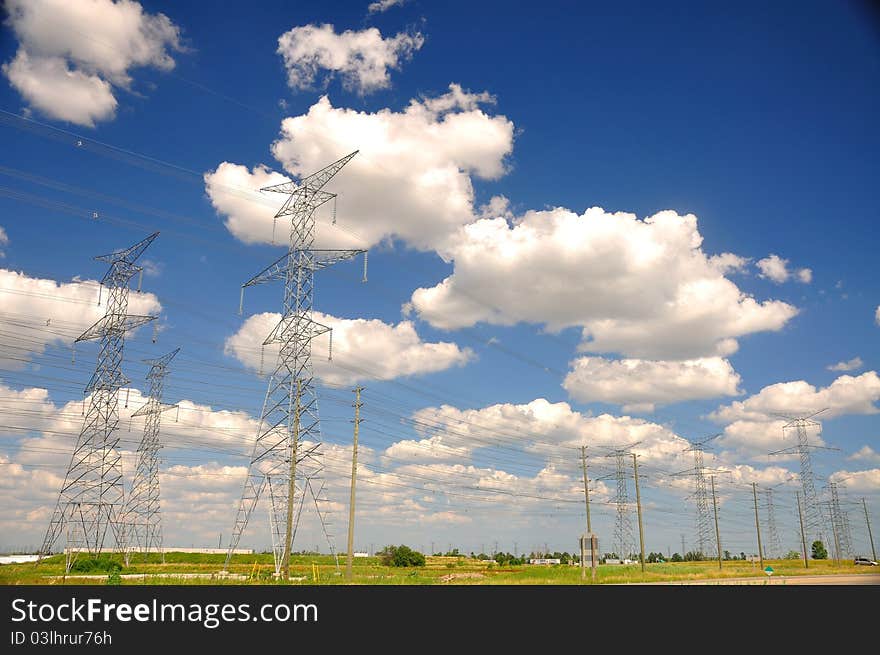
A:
[321, 569]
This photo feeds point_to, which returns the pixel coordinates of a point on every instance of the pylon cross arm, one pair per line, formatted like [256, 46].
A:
[109, 324]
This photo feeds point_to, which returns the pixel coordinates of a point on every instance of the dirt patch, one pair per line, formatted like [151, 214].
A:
[459, 576]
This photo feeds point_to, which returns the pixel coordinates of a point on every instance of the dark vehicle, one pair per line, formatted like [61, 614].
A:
[864, 561]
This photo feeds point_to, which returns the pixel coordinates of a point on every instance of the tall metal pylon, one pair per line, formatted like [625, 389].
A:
[704, 532]
[774, 545]
[92, 495]
[286, 459]
[815, 525]
[840, 523]
[142, 521]
[624, 536]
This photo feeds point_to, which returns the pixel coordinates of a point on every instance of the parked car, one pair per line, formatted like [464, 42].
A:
[864, 561]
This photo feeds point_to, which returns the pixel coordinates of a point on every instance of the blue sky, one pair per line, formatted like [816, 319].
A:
[755, 120]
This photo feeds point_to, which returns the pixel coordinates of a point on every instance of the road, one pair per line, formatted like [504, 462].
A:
[843, 579]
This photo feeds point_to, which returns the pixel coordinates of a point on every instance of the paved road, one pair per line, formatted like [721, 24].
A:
[844, 579]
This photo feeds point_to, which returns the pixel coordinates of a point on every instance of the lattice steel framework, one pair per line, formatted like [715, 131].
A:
[287, 451]
[142, 523]
[814, 522]
[774, 546]
[624, 534]
[92, 495]
[704, 530]
[840, 522]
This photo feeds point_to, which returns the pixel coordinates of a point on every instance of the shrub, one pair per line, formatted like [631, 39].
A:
[401, 556]
[96, 565]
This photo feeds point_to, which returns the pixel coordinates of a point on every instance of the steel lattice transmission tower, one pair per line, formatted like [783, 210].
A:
[703, 523]
[624, 536]
[814, 522]
[92, 495]
[775, 546]
[840, 522]
[142, 521]
[286, 458]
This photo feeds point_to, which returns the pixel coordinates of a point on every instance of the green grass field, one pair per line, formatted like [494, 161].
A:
[321, 569]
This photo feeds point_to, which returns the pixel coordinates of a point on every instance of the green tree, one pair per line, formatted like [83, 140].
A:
[792, 554]
[819, 551]
[677, 558]
[401, 556]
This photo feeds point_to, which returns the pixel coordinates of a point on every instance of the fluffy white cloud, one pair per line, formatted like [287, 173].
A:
[49, 312]
[411, 179]
[363, 349]
[846, 395]
[51, 87]
[362, 58]
[644, 288]
[860, 481]
[72, 53]
[639, 384]
[541, 426]
[383, 5]
[851, 365]
[776, 269]
[752, 425]
[865, 454]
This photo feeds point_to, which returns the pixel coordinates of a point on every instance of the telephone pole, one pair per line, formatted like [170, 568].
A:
[758, 524]
[354, 464]
[92, 496]
[717, 531]
[639, 506]
[586, 487]
[870, 534]
[803, 535]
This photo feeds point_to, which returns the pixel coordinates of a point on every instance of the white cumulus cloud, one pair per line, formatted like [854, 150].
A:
[850, 365]
[411, 179]
[641, 287]
[776, 269]
[71, 54]
[383, 5]
[865, 454]
[47, 312]
[362, 58]
[639, 384]
[363, 349]
[754, 424]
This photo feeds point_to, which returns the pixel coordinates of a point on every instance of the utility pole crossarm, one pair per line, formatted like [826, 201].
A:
[108, 325]
[128, 255]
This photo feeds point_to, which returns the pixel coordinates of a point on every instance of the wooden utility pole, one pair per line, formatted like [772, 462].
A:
[803, 536]
[589, 525]
[758, 524]
[354, 464]
[870, 534]
[639, 507]
[717, 531]
[291, 488]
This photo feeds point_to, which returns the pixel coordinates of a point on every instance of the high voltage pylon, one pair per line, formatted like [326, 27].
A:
[287, 453]
[840, 524]
[774, 545]
[704, 533]
[814, 522]
[142, 521]
[92, 495]
[624, 537]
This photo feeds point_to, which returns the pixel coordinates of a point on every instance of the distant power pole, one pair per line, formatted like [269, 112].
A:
[717, 531]
[870, 534]
[639, 507]
[586, 487]
[803, 535]
[354, 464]
[682, 546]
[758, 524]
[775, 548]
